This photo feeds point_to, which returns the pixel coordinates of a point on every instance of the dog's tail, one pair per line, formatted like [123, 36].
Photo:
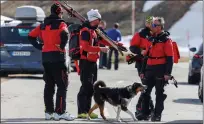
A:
[99, 83]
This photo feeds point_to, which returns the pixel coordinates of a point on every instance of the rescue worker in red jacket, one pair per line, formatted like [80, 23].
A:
[138, 46]
[89, 49]
[158, 69]
[54, 34]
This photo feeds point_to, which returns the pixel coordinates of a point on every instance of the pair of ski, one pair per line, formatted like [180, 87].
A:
[74, 13]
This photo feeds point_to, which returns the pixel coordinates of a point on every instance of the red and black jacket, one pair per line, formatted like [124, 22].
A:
[89, 43]
[161, 53]
[140, 40]
[52, 32]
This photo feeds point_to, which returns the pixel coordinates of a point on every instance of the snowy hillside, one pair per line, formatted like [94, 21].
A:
[189, 25]
[149, 4]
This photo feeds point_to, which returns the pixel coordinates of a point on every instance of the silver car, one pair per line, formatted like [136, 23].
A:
[200, 87]
[195, 65]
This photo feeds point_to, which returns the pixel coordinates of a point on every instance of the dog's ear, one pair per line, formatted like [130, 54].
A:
[136, 85]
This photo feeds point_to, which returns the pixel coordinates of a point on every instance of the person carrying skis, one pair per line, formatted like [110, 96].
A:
[89, 50]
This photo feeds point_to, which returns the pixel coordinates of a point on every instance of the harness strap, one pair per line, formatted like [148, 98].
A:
[149, 57]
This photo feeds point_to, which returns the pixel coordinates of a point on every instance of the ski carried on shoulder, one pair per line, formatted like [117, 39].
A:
[74, 13]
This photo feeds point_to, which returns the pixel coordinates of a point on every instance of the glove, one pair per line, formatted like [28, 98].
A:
[130, 58]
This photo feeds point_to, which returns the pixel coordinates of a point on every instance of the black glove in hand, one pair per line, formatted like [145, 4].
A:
[130, 58]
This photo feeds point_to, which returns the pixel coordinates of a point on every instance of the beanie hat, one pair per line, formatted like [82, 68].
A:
[56, 9]
[149, 19]
[93, 15]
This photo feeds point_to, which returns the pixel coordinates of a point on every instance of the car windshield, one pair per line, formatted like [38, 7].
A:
[15, 34]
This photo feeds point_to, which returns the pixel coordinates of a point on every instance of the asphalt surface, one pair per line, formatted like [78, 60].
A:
[22, 98]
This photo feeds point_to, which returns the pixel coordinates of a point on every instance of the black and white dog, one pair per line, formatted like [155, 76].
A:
[119, 97]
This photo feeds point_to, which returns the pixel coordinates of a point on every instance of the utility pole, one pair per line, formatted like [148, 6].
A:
[133, 17]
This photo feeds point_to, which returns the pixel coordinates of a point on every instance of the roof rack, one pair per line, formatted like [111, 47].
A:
[28, 14]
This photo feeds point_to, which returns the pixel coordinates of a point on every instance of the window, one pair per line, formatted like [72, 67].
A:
[15, 34]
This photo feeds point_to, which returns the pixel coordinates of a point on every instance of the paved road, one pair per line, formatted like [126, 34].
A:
[22, 98]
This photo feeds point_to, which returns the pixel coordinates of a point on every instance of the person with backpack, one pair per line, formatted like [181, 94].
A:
[115, 34]
[138, 46]
[54, 34]
[89, 51]
[158, 68]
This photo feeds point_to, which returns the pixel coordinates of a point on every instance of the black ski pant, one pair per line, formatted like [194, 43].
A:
[110, 57]
[138, 65]
[103, 60]
[55, 74]
[88, 75]
[154, 77]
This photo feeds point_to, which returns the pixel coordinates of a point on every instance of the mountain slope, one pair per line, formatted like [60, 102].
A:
[112, 11]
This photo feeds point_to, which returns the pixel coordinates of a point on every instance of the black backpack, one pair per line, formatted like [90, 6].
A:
[74, 47]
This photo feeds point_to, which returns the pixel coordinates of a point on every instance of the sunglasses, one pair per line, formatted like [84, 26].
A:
[155, 25]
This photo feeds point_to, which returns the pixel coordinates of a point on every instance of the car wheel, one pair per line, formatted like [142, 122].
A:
[194, 79]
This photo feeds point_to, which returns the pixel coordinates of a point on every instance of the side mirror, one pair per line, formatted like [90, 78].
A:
[192, 49]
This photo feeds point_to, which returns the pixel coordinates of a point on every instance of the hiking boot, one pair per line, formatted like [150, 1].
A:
[65, 116]
[83, 115]
[48, 116]
[93, 116]
[156, 117]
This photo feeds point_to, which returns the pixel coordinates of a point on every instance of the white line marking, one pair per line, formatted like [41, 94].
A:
[120, 82]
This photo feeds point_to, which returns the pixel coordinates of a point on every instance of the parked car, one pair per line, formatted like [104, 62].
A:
[200, 87]
[17, 54]
[195, 65]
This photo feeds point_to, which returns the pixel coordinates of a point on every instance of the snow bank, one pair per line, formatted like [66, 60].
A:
[149, 4]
